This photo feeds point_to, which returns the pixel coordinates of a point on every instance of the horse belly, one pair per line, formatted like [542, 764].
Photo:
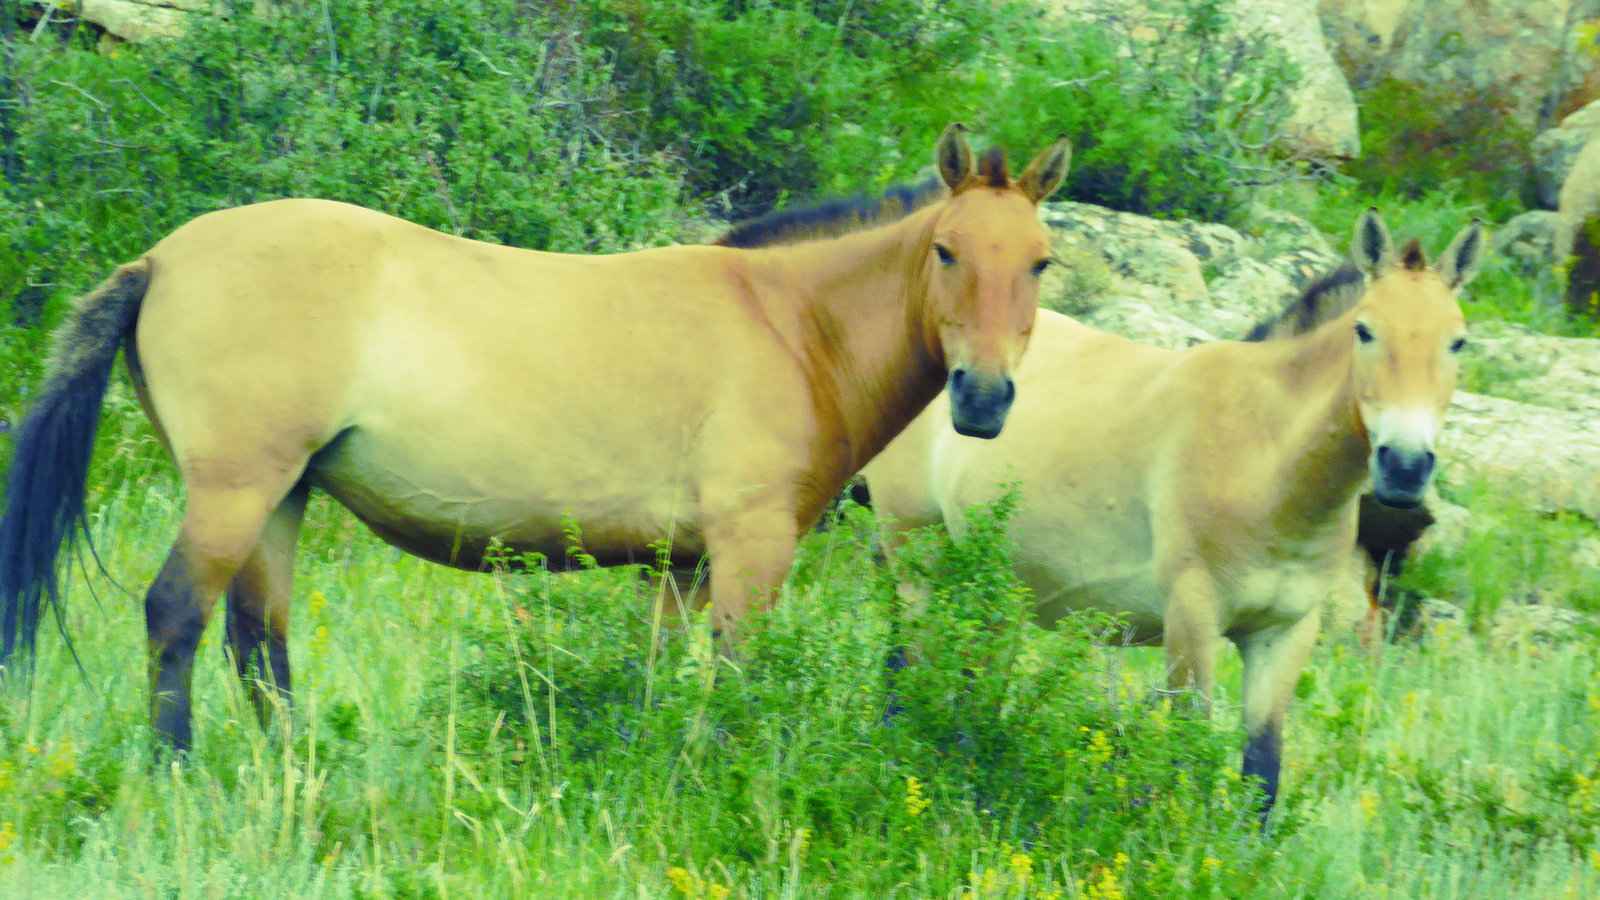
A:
[449, 506]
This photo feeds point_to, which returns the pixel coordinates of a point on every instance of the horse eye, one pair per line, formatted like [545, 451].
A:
[945, 256]
[1363, 333]
[1039, 267]
[1457, 344]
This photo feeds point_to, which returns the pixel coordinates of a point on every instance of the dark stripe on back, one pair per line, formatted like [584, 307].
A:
[830, 218]
[1323, 300]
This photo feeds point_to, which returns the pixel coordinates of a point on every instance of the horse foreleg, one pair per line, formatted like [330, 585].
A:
[750, 558]
[220, 529]
[258, 608]
[1190, 635]
[1273, 659]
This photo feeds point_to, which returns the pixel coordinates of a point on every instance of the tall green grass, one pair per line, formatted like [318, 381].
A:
[526, 735]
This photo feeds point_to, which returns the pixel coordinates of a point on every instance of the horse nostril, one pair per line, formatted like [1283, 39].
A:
[1427, 461]
[1383, 456]
[957, 379]
[1011, 390]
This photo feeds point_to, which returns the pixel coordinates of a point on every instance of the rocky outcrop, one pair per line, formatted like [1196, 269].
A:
[1322, 121]
[1522, 52]
[131, 20]
[1556, 151]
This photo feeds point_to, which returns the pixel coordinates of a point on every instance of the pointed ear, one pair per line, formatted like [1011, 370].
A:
[1373, 249]
[1461, 260]
[954, 156]
[1042, 176]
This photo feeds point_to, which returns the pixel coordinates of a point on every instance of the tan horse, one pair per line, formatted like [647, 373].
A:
[1209, 492]
[450, 392]
[1384, 534]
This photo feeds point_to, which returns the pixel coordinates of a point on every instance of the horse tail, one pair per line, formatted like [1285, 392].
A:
[44, 498]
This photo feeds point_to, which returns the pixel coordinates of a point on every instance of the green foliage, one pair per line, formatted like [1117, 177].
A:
[1511, 554]
[766, 99]
[1006, 733]
[1419, 138]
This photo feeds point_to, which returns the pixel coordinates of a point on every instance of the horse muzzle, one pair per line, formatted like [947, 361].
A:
[1400, 474]
[979, 402]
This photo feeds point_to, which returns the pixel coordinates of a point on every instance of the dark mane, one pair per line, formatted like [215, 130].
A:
[1324, 300]
[831, 218]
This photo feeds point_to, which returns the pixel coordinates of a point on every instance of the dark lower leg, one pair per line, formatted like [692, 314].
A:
[175, 617]
[260, 655]
[1263, 755]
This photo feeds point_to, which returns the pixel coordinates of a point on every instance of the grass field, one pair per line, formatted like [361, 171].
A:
[521, 735]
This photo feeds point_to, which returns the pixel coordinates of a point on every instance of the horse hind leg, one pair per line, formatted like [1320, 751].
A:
[226, 515]
[258, 608]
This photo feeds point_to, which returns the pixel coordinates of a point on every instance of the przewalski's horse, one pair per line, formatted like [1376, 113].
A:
[1384, 534]
[451, 392]
[1210, 492]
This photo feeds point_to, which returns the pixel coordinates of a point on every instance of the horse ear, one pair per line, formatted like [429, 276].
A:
[1042, 176]
[1463, 257]
[1373, 249]
[954, 156]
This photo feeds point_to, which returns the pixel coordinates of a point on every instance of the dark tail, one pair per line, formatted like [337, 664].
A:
[44, 511]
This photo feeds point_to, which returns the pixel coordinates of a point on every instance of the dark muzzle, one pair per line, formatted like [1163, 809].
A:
[979, 402]
[1400, 474]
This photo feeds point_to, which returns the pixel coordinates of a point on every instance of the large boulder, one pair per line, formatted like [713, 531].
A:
[1556, 151]
[1322, 120]
[1520, 51]
[131, 20]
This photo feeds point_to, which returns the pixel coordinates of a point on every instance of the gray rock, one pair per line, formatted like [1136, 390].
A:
[132, 20]
[1517, 623]
[1552, 456]
[1530, 239]
[1137, 318]
[1556, 150]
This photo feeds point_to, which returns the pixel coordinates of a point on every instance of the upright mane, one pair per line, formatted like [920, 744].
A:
[1324, 300]
[831, 218]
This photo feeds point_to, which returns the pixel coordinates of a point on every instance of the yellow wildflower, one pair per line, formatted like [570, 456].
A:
[1594, 854]
[8, 836]
[1021, 867]
[1212, 865]
[717, 892]
[684, 881]
[1368, 799]
[1099, 748]
[319, 600]
[64, 761]
[319, 639]
[915, 802]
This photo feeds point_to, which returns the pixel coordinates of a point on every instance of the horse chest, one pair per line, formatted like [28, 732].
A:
[1279, 592]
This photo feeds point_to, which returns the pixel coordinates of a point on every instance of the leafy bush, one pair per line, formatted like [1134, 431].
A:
[767, 98]
[1021, 737]
[1420, 137]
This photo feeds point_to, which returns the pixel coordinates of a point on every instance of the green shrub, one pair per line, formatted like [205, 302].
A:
[766, 99]
[1419, 138]
[1015, 736]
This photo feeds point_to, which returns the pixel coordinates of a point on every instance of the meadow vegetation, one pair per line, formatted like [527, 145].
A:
[523, 733]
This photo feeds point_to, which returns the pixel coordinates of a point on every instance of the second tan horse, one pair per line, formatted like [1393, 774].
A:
[451, 393]
[1209, 493]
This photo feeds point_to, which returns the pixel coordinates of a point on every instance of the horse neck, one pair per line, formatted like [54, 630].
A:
[862, 335]
[1327, 446]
